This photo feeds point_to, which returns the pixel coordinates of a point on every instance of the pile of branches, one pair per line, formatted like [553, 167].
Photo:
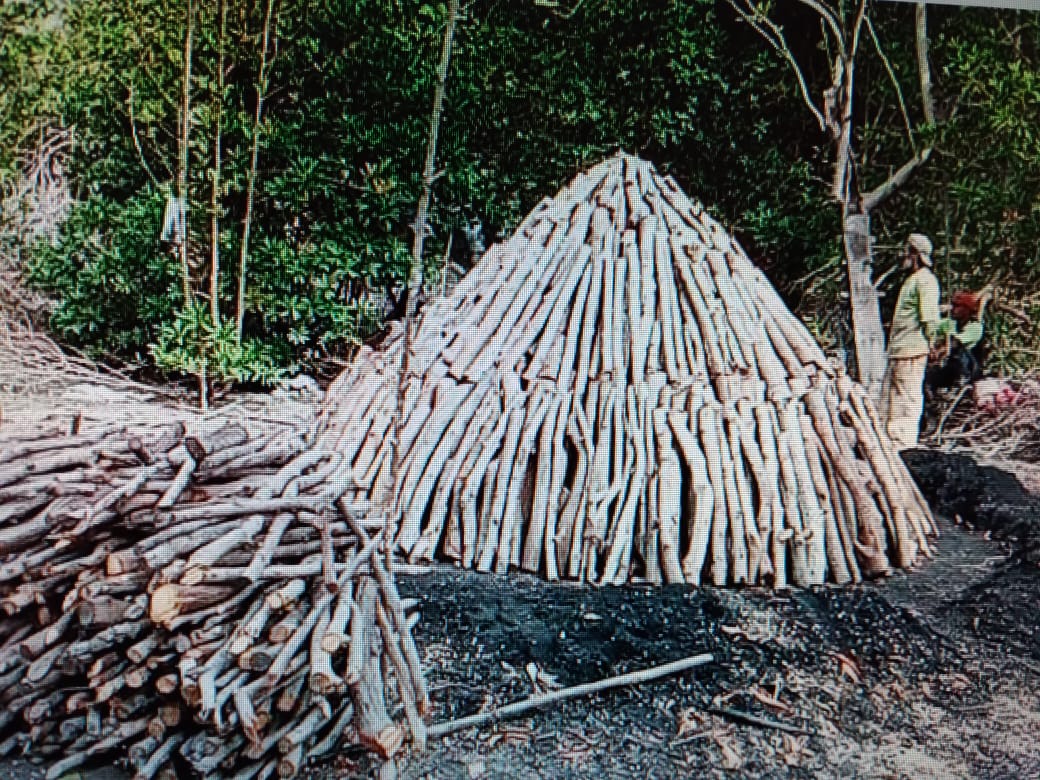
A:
[199, 597]
[618, 394]
[33, 364]
[1004, 423]
[34, 204]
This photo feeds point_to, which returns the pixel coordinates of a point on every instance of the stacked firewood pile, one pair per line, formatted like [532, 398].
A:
[617, 393]
[195, 597]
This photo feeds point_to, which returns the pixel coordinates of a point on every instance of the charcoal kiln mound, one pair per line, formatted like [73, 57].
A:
[618, 394]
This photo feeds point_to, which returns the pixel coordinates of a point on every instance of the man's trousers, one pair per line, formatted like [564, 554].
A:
[902, 399]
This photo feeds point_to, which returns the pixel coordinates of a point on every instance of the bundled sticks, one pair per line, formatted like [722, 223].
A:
[204, 597]
[617, 393]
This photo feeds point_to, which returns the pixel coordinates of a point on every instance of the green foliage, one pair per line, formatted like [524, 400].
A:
[534, 94]
[27, 87]
[191, 344]
[114, 283]
[979, 196]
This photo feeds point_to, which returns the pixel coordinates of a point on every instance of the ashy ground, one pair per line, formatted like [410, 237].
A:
[933, 673]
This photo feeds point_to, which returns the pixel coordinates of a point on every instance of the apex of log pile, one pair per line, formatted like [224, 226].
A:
[617, 393]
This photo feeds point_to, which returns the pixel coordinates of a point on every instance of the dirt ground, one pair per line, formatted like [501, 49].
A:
[932, 673]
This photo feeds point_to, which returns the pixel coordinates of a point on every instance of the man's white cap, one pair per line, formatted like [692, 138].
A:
[923, 245]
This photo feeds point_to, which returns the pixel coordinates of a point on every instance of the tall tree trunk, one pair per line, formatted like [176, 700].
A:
[247, 220]
[868, 332]
[924, 72]
[182, 167]
[214, 276]
[422, 212]
[835, 117]
[415, 276]
[183, 195]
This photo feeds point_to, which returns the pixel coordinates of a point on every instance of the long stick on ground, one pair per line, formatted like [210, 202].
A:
[586, 689]
[755, 720]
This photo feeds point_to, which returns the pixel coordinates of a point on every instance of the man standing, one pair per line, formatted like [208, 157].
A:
[914, 327]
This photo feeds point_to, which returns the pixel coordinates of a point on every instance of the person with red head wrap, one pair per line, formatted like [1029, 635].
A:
[963, 330]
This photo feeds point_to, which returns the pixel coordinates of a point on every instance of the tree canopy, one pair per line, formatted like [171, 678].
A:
[536, 91]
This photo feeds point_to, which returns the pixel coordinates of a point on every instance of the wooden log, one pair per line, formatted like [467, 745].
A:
[492, 523]
[780, 535]
[496, 329]
[797, 377]
[794, 531]
[629, 479]
[766, 488]
[714, 359]
[572, 521]
[444, 439]
[621, 331]
[162, 754]
[557, 477]
[375, 729]
[812, 513]
[844, 515]
[739, 518]
[548, 320]
[834, 543]
[323, 679]
[407, 693]
[536, 527]
[396, 607]
[708, 426]
[172, 601]
[602, 492]
[336, 734]
[477, 429]
[539, 408]
[771, 305]
[589, 345]
[703, 497]
[669, 500]
[475, 532]
[335, 638]
[635, 423]
[910, 536]
[741, 486]
[871, 540]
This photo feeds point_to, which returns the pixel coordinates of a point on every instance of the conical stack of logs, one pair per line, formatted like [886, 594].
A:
[618, 394]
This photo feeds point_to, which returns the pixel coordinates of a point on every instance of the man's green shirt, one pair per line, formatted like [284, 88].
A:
[968, 336]
[916, 316]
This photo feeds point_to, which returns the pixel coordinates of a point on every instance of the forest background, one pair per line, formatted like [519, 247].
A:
[232, 184]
